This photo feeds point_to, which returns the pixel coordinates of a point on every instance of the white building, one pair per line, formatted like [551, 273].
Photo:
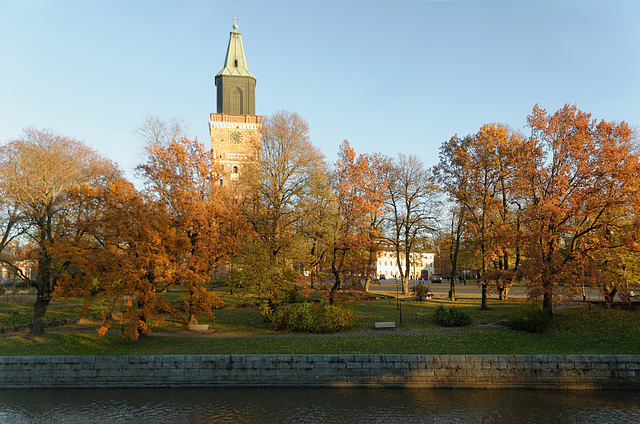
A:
[11, 275]
[387, 264]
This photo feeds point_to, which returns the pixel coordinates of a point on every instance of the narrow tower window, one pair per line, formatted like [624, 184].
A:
[235, 62]
[237, 102]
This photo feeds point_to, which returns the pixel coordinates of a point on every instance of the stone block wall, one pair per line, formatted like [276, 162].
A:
[415, 371]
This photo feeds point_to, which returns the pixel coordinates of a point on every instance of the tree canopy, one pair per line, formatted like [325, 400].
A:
[557, 209]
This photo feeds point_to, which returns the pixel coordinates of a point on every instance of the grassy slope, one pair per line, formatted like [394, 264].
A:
[576, 330]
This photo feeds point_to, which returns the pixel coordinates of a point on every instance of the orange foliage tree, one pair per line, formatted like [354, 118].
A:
[478, 174]
[203, 226]
[174, 233]
[360, 189]
[118, 257]
[580, 190]
[39, 170]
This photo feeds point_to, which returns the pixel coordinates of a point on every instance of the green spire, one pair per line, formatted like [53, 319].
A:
[235, 63]
[235, 85]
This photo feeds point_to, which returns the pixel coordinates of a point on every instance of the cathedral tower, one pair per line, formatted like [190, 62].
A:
[235, 128]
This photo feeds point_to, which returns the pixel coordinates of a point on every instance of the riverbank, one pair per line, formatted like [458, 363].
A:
[578, 372]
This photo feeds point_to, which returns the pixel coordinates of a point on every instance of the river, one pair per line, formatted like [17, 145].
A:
[351, 406]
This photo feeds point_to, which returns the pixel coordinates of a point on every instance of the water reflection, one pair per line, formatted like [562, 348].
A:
[317, 406]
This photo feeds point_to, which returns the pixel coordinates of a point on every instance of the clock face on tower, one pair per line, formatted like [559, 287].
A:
[236, 137]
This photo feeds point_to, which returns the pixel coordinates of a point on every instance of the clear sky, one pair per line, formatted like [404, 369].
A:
[394, 77]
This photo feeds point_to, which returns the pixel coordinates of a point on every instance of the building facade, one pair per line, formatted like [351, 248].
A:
[235, 129]
[17, 273]
[387, 264]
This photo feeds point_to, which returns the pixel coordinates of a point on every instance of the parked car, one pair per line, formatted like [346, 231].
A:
[436, 278]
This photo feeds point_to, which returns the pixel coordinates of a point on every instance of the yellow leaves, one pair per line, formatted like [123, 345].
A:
[127, 301]
[102, 331]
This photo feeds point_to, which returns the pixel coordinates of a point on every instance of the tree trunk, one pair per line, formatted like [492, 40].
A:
[142, 329]
[39, 310]
[484, 306]
[335, 269]
[547, 299]
[453, 254]
[334, 291]
[405, 284]
[337, 284]
[370, 268]
[452, 288]
[609, 296]
[43, 294]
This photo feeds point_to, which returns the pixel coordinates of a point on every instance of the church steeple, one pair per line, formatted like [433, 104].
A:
[235, 83]
[236, 130]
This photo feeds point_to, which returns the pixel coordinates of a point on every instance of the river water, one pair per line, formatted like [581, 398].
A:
[317, 406]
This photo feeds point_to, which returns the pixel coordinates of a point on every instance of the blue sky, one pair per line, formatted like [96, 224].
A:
[389, 76]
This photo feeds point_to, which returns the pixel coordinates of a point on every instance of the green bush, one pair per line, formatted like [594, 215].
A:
[307, 317]
[451, 317]
[531, 321]
[336, 318]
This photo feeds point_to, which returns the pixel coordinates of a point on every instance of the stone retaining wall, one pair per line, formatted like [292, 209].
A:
[415, 371]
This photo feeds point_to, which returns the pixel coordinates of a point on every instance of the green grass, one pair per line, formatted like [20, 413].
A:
[576, 330]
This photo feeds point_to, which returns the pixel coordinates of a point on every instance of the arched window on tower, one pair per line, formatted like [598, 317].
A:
[236, 102]
[235, 63]
[234, 169]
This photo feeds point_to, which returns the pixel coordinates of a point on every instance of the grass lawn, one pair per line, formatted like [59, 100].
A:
[576, 330]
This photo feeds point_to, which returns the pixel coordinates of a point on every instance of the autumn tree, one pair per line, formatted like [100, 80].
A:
[455, 236]
[477, 174]
[411, 210]
[38, 170]
[202, 222]
[278, 191]
[360, 190]
[119, 257]
[157, 131]
[319, 228]
[172, 234]
[11, 232]
[581, 192]
[376, 190]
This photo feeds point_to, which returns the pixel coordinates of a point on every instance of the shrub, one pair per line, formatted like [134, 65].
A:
[291, 294]
[307, 317]
[531, 321]
[335, 318]
[451, 317]
[421, 292]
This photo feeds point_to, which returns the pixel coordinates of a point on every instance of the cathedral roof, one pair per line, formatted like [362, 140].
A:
[235, 63]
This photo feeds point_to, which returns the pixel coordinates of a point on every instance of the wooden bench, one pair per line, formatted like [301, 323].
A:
[198, 327]
[380, 325]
